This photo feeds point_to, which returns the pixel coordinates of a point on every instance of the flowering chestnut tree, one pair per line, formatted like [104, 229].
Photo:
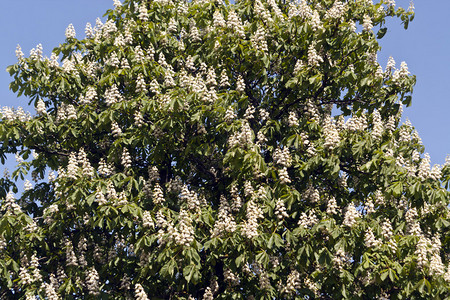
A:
[208, 150]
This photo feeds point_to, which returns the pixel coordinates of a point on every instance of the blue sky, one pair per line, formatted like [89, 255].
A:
[425, 47]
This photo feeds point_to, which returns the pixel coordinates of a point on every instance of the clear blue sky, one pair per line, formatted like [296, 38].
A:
[425, 47]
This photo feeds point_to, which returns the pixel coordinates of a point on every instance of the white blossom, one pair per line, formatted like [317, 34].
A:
[284, 176]
[250, 226]
[370, 240]
[40, 107]
[280, 210]
[116, 131]
[314, 59]
[218, 19]
[70, 32]
[240, 84]
[332, 138]
[126, 159]
[235, 23]
[143, 13]
[282, 157]
[350, 215]
[367, 23]
[158, 196]
[92, 282]
[139, 292]
[332, 206]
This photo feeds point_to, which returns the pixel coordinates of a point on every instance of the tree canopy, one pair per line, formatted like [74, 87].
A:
[214, 150]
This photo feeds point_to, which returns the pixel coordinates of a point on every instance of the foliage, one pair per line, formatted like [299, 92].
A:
[236, 151]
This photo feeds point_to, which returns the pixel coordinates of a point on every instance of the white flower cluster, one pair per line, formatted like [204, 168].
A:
[77, 166]
[258, 40]
[314, 59]
[425, 248]
[250, 227]
[91, 95]
[66, 112]
[390, 65]
[332, 138]
[264, 281]
[421, 251]
[112, 95]
[218, 20]
[284, 176]
[336, 11]
[208, 295]
[36, 53]
[308, 220]
[27, 185]
[139, 292]
[11, 114]
[50, 291]
[378, 128]
[105, 169]
[367, 23]
[158, 196]
[240, 84]
[69, 66]
[280, 210]
[3, 243]
[147, 220]
[126, 159]
[424, 171]
[236, 198]
[138, 119]
[332, 207]
[70, 32]
[71, 259]
[140, 84]
[40, 107]
[230, 278]
[350, 215]
[276, 10]
[49, 212]
[412, 226]
[292, 119]
[311, 110]
[356, 123]
[190, 198]
[341, 259]
[115, 129]
[143, 12]
[243, 137]
[92, 282]
[386, 229]
[369, 239]
[235, 23]
[369, 206]
[9, 204]
[184, 234]
[315, 21]
[249, 112]
[224, 82]
[282, 157]
[311, 194]
[230, 115]
[225, 222]
[299, 8]
[293, 283]
[262, 12]
[19, 53]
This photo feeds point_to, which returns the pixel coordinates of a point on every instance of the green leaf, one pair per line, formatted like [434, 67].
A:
[168, 270]
[381, 32]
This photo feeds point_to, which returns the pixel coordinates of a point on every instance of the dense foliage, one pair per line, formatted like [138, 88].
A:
[200, 150]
